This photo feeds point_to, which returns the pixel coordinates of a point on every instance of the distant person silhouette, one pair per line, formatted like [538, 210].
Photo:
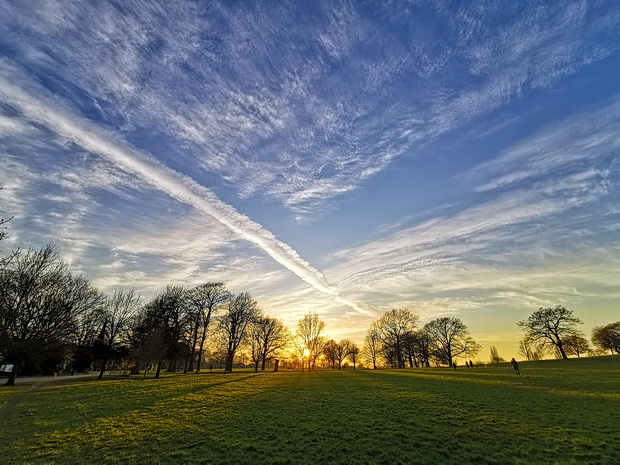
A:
[454, 365]
[515, 365]
[471, 364]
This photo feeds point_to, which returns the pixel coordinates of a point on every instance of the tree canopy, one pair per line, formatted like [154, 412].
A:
[550, 327]
[607, 337]
[450, 338]
[40, 303]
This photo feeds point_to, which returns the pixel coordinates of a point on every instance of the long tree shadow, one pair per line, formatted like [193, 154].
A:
[77, 410]
[330, 417]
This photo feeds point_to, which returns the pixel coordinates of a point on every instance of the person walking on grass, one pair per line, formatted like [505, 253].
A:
[515, 365]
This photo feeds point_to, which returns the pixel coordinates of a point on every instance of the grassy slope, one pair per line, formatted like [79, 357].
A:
[556, 412]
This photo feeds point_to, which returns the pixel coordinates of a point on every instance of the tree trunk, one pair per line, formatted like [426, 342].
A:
[17, 369]
[192, 354]
[229, 363]
[562, 352]
[199, 359]
[255, 367]
[12, 376]
[262, 368]
[203, 338]
[158, 369]
[102, 371]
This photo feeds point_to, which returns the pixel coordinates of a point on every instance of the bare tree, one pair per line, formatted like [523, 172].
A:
[550, 326]
[392, 329]
[495, 358]
[531, 351]
[330, 351]
[343, 350]
[115, 316]
[84, 339]
[40, 303]
[309, 330]
[410, 348]
[233, 324]
[450, 338]
[162, 326]
[372, 346]
[607, 337]
[354, 355]
[267, 337]
[149, 341]
[575, 344]
[300, 350]
[204, 301]
[423, 346]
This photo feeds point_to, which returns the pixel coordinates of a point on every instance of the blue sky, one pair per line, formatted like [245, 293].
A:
[455, 158]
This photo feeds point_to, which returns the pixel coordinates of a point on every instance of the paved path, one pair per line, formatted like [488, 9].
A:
[33, 382]
[50, 379]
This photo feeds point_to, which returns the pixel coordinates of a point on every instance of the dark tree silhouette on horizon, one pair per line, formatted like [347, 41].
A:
[115, 317]
[450, 338]
[161, 327]
[309, 337]
[41, 302]
[267, 337]
[550, 326]
[204, 301]
[372, 346]
[240, 312]
[393, 329]
[607, 337]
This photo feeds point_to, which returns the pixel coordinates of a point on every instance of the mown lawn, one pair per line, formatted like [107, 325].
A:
[557, 412]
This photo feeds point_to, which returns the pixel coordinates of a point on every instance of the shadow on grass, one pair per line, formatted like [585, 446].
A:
[62, 418]
[330, 417]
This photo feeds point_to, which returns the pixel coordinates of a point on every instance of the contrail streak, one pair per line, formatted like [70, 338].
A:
[173, 183]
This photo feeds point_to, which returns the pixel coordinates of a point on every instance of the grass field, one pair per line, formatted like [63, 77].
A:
[564, 411]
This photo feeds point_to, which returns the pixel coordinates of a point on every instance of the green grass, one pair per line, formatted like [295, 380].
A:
[556, 412]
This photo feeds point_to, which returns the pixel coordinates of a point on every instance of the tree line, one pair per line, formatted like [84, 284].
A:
[554, 331]
[395, 340]
[51, 318]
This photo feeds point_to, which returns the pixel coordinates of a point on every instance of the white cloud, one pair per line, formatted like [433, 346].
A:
[150, 171]
[570, 149]
[301, 115]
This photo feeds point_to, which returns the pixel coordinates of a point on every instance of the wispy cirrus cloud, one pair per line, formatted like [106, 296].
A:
[300, 115]
[576, 150]
[536, 210]
[150, 171]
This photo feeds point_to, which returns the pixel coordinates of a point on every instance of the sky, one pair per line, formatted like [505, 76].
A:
[345, 158]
